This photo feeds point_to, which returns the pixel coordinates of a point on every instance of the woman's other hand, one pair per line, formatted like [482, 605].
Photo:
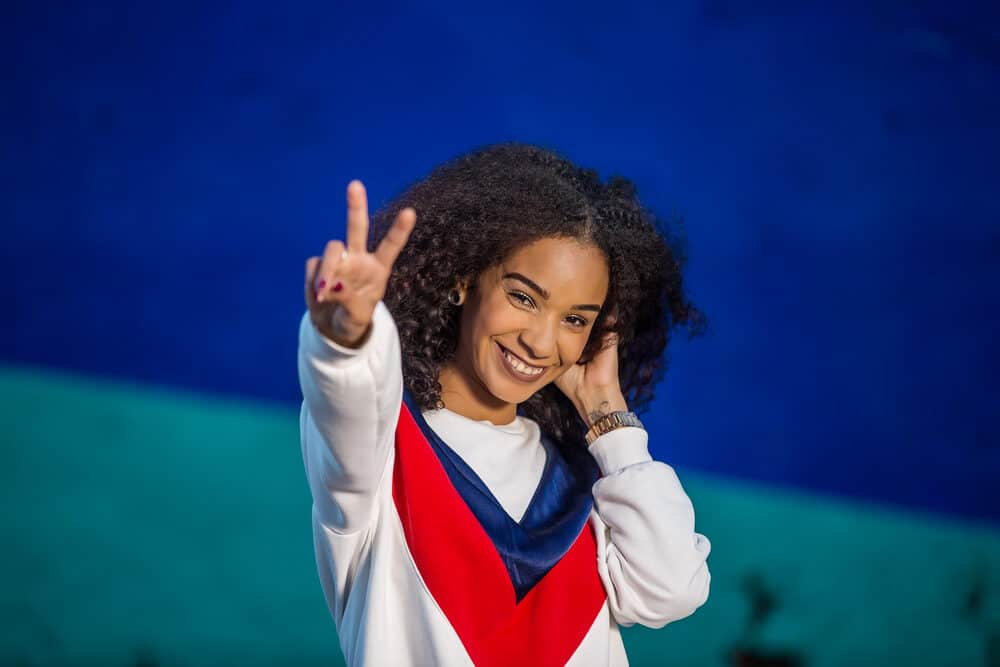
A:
[343, 286]
[594, 387]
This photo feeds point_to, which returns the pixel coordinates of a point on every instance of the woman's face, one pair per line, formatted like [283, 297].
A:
[527, 320]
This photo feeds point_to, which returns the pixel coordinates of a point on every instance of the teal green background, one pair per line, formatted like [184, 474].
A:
[148, 526]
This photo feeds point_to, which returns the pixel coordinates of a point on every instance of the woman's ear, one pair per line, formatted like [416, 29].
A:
[464, 287]
[458, 294]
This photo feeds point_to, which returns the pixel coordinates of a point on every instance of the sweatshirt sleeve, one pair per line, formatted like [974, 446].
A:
[652, 562]
[351, 402]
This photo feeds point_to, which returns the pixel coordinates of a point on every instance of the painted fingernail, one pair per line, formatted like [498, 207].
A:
[321, 284]
[337, 286]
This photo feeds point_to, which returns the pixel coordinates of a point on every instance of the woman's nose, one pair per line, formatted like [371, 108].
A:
[540, 340]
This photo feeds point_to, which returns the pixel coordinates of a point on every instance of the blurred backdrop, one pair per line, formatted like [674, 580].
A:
[167, 169]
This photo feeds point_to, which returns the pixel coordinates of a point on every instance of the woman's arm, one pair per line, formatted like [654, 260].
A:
[651, 560]
[352, 399]
[349, 368]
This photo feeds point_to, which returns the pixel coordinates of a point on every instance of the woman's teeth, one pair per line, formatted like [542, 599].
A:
[521, 366]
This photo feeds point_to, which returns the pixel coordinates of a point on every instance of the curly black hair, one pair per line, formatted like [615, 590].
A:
[474, 210]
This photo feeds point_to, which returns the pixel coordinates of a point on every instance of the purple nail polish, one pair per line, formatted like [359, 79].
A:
[337, 286]
[321, 285]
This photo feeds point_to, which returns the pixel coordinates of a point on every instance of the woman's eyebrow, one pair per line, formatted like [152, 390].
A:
[545, 293]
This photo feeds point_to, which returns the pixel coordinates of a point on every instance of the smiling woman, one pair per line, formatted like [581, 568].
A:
[481, 492]
[477, 211]
[512, 343]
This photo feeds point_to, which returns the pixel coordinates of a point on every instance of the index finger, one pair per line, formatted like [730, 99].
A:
[357, 218]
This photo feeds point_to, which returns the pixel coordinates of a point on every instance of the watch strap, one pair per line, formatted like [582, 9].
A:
[610, 422]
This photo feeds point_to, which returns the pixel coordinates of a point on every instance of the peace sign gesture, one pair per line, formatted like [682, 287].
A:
[346, 283]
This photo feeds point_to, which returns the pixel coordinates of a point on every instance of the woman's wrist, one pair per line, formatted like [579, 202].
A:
[599, 404]
[610, 422]
[341, 329]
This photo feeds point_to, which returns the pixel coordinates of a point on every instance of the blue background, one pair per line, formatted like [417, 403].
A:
[166, 171]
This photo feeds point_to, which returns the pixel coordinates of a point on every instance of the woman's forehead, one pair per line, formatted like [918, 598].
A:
[567, 269]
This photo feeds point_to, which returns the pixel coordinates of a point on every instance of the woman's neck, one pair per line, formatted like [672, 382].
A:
[472, 400]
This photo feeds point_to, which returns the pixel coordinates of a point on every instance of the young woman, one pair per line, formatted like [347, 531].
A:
[482, 492]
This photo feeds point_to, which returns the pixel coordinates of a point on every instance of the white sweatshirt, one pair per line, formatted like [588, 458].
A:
[650, 560]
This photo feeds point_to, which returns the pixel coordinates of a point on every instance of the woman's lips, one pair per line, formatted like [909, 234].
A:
[515, 373]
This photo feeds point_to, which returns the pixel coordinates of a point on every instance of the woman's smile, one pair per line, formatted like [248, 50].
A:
[517, 367]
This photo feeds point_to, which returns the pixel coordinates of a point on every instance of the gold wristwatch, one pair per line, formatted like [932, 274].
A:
[610, 422]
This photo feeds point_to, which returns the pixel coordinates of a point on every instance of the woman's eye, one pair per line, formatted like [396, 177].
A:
[522, 298]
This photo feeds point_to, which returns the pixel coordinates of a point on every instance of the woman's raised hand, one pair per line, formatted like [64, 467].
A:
[346, 283]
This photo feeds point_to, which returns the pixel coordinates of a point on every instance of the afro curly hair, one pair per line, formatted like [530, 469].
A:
[476, 209]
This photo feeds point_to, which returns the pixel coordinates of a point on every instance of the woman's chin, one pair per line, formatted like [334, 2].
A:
[517, 394]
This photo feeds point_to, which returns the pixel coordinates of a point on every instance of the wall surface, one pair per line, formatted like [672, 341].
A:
[166, 170]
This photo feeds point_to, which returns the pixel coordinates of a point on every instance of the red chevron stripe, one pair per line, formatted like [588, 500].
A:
[464, 572]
